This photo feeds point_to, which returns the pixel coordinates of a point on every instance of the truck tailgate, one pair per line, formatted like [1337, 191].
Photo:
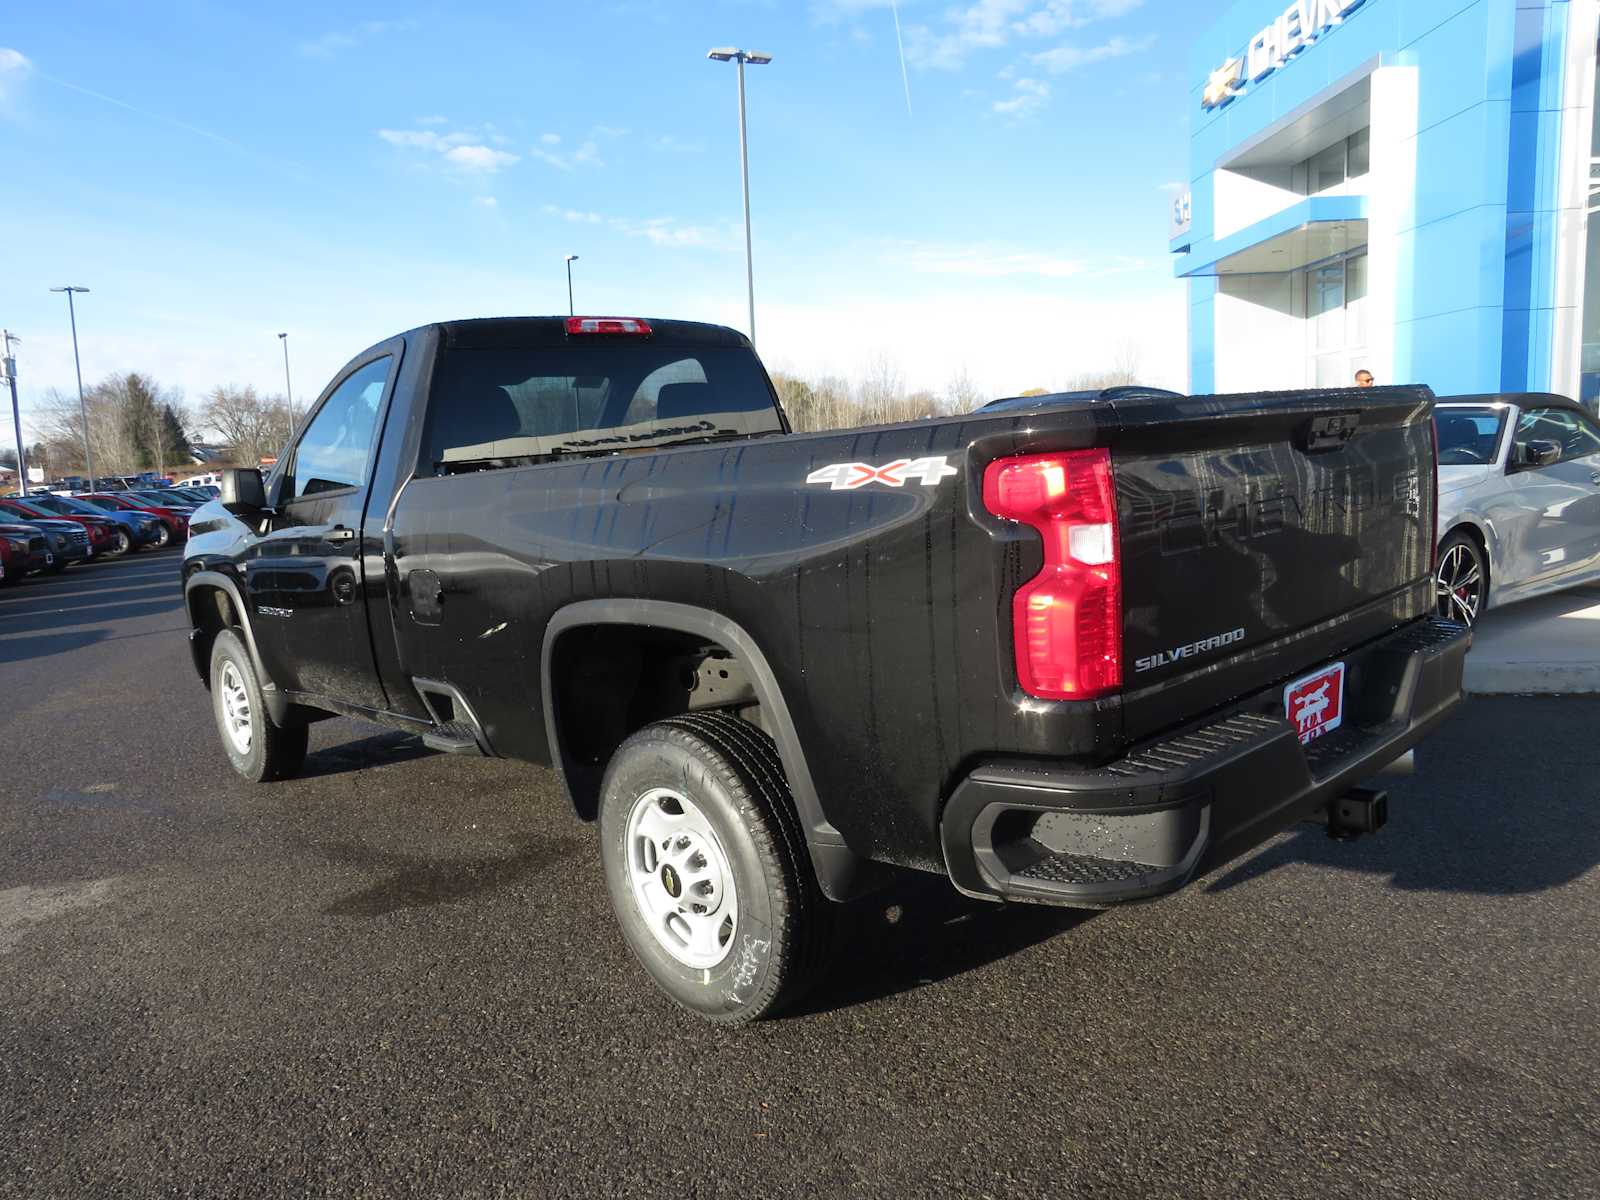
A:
[1265, 535]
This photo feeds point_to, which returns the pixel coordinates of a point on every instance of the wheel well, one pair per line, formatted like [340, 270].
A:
[1468, 529]
[211, 610]
[607, 681]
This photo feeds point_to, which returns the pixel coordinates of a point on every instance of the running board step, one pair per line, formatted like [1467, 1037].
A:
[452, 737]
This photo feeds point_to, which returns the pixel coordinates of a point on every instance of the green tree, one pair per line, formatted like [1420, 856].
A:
[141, 420]
[174, 438]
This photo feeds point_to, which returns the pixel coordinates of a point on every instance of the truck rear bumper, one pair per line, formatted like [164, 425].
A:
[1146, 824]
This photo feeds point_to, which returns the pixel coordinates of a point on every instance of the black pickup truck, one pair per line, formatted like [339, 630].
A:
[1071, 649]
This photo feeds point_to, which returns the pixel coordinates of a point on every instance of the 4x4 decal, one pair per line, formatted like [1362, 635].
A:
[844, 477]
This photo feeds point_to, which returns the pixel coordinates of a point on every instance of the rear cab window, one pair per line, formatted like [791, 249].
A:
[507, 405]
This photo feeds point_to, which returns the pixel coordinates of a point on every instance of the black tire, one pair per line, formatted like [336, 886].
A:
[56, 567]
[121, 542]
[163, 537]
[731, 772]
[273, 751]
[1461, 584]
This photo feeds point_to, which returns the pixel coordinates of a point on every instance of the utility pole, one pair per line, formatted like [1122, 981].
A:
[288, 391]
[571, 258]
[756, 59]
[8, 367]
[83, 408]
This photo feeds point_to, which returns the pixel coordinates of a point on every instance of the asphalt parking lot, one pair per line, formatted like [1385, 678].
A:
[398, 975]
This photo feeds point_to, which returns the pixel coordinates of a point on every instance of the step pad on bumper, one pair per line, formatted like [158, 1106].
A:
[1085, 869]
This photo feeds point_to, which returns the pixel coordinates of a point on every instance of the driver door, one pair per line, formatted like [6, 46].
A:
[306, 581]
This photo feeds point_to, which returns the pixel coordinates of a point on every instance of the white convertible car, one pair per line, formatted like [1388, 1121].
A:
[1519, 499]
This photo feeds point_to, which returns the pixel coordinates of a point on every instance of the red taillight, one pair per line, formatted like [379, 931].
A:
[1067, 619]
[636, 325]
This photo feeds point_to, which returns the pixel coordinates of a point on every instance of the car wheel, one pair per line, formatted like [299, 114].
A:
[56, 567]
[707, 868]
[1462, 581]
[163, 537]
[121, 543]
[258, 749]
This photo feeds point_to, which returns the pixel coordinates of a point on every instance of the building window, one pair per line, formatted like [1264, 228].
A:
[1330, 169]
[1336, 321]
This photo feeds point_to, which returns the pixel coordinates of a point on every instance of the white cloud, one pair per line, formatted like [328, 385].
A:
[433, 120]
[1172, 185]
[1029, 98]
[676, 145]
[459, 148]
[965, 29]
[609, 131]
[1067, 58]
[550, 139]
[486, 201]
[334, 41]
[478, 158]
[574, 215]
[586, 155]
[14, 70]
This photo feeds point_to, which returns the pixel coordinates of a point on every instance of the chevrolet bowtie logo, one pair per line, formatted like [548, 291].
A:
[1222, 84]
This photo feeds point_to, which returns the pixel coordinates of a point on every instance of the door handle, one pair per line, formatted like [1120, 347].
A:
[340, 534]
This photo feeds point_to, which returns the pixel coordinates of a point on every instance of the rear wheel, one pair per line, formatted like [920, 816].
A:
[1462, 581]
[121, 543]
[258, 749]
[163, 536]
[707, 868]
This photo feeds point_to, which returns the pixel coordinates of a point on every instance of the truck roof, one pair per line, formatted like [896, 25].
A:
[552, 331]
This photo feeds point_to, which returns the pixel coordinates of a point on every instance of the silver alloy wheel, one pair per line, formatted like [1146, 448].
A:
[235, 708]
[681, 879]
[1459, 584]
[163, 535]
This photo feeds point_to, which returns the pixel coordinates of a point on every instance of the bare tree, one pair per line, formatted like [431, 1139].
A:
[252, 426]
[961, 395]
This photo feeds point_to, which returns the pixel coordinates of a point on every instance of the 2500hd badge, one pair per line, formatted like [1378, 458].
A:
[1166, 658]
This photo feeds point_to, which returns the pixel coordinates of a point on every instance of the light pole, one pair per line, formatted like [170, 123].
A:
[83, 408]
[8, 366]
[288, 392]
[756, 59]
[571, 258]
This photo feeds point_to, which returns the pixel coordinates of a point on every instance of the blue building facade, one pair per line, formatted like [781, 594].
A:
[1403, 186]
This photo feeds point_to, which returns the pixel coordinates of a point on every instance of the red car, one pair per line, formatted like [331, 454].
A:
[176, 520]
[102, 531]
[23, 549]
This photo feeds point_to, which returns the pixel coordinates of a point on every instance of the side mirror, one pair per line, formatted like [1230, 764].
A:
[243, 492]
[1526, 456]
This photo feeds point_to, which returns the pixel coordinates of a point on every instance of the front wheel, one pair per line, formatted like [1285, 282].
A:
[1461, 584]
[706, 865]
[258, 749]
[121, 543]
[163, 537]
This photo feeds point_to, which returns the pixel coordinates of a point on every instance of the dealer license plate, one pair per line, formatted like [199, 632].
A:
[1316, 703]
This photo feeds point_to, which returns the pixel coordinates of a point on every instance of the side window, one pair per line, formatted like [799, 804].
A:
[1539, 425]
[336, 448]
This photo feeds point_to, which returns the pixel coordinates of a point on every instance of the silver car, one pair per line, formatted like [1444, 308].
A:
[1519, 499]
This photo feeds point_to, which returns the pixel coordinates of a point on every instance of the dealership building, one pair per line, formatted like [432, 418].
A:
[1406, 186]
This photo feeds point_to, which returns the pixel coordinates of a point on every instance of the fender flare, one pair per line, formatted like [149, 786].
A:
[277, 702]
[841, 872]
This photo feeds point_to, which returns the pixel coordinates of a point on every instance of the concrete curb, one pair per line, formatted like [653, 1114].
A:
[1549, 646]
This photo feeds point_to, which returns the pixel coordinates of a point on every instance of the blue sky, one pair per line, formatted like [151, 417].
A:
[217, 173]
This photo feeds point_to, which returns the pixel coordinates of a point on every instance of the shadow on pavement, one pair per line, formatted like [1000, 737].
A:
[416, 882]
[922, 931]
[1454, 828]
[378, 750]
[21, 649]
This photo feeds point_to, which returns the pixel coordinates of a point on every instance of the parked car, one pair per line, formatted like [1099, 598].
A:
[135, 530]
[1519, 499]
[66, 542]
[174, 522]
[23, 550]
[1074, 652]
[101, 532]
[162, 497]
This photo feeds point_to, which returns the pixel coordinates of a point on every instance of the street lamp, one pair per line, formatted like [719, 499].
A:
[571, 258]
[83, 409]
[288, 392]
[755, 59]
[8, 369]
